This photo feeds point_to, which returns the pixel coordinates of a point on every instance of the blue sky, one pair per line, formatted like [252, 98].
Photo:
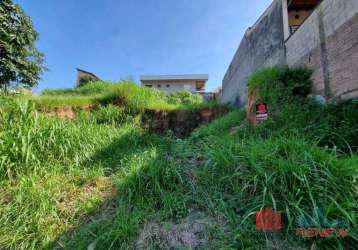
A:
[119, 39]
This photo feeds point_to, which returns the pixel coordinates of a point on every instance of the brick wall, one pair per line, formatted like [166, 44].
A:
[327, 42]
[342, 48]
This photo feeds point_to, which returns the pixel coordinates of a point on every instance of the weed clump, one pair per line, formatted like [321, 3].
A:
[110, 115]
[280, 85]
[184, 97]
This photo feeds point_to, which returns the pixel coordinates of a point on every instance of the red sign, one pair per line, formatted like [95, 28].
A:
[268, 220]
[261, 111]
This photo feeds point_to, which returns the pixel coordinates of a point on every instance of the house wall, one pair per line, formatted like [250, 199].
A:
[302, 15]
[82, 74]
[173, 86]
[261, 46]
[327, 42]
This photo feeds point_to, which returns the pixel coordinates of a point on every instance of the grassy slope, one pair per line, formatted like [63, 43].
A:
[65, 171]
[71, 183]
[135, 97]
[54, 173]
[245, 170]
[102, 92]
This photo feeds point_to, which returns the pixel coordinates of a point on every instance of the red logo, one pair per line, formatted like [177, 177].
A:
[261, 108]
[268, 220]
[261, 112]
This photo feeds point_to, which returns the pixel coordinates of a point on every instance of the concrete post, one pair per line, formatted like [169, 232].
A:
[286, 28]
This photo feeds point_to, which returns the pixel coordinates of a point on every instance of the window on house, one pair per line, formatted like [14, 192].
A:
[149, 85]
[168, 85]
[159, 86]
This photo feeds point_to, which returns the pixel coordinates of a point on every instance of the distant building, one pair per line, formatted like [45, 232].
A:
[212, 95]
[171, 83]
[84, 77]
[218, 93]
[207, 95]
[320, 34]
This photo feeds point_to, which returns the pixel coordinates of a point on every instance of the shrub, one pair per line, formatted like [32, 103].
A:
[280, 84]
[184, 97]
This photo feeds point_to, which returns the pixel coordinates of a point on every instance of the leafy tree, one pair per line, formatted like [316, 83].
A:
[20, 62]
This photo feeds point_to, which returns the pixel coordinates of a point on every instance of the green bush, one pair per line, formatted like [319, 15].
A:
[281, 84]
[184, 97]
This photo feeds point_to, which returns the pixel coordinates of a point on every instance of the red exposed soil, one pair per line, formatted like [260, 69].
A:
[181, 122]
[68, 112]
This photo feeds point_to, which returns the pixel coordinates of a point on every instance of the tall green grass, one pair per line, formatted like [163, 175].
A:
[29, 138]
[302, 160]
[56, 173]
[136, 98]
[72, 183]
[240, 173]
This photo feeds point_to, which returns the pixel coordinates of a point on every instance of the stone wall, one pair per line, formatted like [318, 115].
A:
[261, 46]
[327, 42]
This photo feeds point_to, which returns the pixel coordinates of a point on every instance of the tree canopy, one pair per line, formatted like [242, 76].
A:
[20, 62]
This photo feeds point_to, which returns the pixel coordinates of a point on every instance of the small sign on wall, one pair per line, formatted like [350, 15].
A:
[261, 112]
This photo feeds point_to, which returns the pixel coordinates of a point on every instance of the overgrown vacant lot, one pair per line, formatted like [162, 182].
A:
[135, 97]
[100, 180]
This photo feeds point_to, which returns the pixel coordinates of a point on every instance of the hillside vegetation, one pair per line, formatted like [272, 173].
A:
[71, 184]
[133, 96]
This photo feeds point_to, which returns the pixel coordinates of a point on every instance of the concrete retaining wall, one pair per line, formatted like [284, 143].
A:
[261, 46]
[180, 122]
